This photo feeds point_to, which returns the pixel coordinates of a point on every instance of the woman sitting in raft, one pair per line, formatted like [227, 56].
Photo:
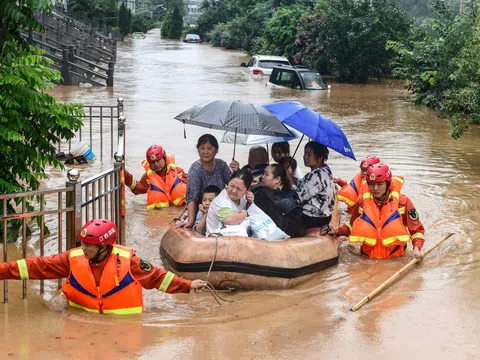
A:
[277, 201]
[229, 207]
[206, 171]
[316, 190]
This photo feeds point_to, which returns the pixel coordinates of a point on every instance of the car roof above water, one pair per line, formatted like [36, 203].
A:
[268, 57]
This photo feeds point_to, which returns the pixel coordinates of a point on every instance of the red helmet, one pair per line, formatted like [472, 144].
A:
[98, 232]
[378, 173]
[369, 160]
[155, 152]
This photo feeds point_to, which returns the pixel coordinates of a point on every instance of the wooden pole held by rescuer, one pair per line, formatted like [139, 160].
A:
[395, 276]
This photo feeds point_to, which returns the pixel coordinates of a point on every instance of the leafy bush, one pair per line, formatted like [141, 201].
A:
[280, 33]
[347, 38]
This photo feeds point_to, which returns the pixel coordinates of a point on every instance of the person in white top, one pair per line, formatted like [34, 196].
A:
[281, 150]
[229, 207]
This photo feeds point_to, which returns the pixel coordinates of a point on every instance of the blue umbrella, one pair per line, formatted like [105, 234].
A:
[312, 124]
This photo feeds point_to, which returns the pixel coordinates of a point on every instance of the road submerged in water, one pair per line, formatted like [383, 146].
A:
[433, 312]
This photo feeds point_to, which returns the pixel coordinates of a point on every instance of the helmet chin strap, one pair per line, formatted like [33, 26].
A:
[99, 253]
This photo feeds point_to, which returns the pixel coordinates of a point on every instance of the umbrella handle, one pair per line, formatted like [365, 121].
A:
[298, 146]
[234, 145]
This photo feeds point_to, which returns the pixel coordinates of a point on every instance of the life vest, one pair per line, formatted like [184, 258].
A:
[352, 191]
[118, 293]
[382, 229]
[163, 193]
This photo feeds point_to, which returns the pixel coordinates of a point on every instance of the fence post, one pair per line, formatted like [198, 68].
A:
[30, 36]
[66, 69]
[73, 199]
[71, 53]
[120, 164]
[110, 73]
[114, 50]
[120, 106]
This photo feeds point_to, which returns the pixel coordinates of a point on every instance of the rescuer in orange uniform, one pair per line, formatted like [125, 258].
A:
[102, 277]
[164, 182]
[350, 192]
[384, 220]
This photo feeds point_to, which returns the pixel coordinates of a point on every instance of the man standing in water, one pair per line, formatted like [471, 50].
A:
[102, 277]
[384, 220]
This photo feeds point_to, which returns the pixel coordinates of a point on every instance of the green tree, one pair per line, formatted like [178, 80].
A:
[32, 123]
[347, 38]
[439, 60]
[176, 26]
[124, 20]
[280, 33]
[166, 25]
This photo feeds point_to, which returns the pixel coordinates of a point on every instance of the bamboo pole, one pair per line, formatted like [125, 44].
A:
[395, 276]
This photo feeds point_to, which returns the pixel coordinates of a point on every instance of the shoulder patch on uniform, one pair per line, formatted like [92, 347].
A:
[145, 265]
[413, 214]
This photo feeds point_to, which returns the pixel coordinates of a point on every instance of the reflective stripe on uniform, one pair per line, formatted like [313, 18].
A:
[72, 304]
[158, 205]
[349, 226]
[134, 184]
[399, 179]
[76, 252]
[418, 235]
[345, 200]
[150, 171]
[126, 311]
[401, 210]
[360, 210]
[178, 200]
[23, 269]
[391, 240]
[395, 194]
[367, 195]
[121, 252]
[166, 281]
[361, 239]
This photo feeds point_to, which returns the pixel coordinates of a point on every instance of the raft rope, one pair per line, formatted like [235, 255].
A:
[210, 287]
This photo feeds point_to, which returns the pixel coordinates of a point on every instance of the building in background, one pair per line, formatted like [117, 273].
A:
[130, 4]
[193, 12]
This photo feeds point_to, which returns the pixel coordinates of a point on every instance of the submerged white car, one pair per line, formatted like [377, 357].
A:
[263, 65]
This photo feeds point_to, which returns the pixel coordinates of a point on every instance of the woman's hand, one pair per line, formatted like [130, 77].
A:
[234, 165]
[198, 284]
[250, 197]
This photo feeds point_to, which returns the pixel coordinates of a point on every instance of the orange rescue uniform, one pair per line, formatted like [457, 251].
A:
[142, 186]
[116, 282]
[349, 193]
[409, 219]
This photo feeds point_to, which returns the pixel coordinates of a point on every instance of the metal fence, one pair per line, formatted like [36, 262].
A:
[55, 216]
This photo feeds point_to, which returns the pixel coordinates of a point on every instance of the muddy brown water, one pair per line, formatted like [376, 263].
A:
[433, 312]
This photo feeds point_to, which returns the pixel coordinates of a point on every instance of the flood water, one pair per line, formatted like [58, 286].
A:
[433, 312]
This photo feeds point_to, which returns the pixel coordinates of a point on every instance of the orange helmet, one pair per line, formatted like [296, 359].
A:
[99, 232]
[369, 160]
[155, 152]
[378, 173]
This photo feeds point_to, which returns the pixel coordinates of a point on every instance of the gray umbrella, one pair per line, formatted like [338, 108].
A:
[236, 116]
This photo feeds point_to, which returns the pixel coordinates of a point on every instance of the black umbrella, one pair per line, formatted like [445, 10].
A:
[236, 116]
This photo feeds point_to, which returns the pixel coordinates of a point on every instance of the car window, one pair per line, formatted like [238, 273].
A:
[285, 78]
[251, 62]
[313, 80]
[269, 64]
[192, 36]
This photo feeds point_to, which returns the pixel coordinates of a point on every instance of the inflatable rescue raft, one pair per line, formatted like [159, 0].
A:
[248, 263]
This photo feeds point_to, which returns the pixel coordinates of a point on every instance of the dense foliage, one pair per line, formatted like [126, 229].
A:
[348, 38]
[124, 20]
[280, 33]
[441, 63]
[172, 25]
[31, 121]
